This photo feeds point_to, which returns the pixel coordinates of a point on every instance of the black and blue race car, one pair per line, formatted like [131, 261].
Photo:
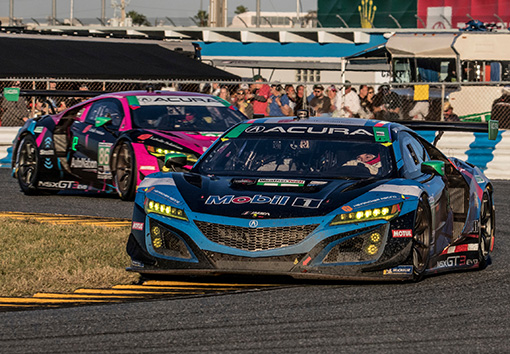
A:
[326, 198]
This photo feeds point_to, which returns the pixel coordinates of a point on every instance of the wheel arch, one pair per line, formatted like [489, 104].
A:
[115, 150]
[15, 148]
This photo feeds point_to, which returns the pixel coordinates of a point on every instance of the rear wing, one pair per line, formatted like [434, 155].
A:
[490, 127]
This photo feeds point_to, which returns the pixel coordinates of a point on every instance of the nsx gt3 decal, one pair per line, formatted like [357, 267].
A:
[454, 261]
[63, 185]
[178, 101]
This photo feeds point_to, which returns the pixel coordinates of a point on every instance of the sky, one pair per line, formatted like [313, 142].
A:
[41, 9]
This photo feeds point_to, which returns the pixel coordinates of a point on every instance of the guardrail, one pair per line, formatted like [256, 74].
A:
[492, 156]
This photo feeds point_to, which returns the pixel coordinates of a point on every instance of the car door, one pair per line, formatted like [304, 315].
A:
[92, 139]
[414, 154]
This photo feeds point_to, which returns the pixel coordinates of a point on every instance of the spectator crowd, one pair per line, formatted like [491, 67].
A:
[263, 99]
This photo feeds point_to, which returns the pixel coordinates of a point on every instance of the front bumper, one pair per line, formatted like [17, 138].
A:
[364, 253]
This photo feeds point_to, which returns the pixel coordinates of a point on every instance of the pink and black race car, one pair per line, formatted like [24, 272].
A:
[111, 142]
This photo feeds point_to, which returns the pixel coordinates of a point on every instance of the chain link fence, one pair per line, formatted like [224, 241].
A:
[432, 102]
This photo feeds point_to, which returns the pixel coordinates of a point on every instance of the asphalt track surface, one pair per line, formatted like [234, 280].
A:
[467, 312]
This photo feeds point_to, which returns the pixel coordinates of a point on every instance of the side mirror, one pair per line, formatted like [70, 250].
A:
[175, 160]
[433, 167]
[100, 121]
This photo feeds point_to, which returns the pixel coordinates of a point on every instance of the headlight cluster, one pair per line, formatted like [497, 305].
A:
[160, 152]
[163, 209]
[384, 213]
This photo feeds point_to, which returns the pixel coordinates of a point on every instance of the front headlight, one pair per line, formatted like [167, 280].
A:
[159, 208]
[161, 153]
[383, 213]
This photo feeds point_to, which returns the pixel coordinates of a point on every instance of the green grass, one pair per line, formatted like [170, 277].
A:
[40, 257]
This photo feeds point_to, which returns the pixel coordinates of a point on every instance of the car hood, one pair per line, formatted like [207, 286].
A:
[267, 198]
[195, 141]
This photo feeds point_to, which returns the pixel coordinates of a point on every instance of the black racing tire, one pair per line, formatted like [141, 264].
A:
[125, 171]
[487, 228]
[27, 165]
[422, 237]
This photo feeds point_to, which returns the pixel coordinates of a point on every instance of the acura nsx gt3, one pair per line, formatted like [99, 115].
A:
[111, 142]
[316, 198]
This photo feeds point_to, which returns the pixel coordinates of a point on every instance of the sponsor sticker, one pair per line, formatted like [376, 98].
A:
[317, 183]
[83, 163]
[402, 233]
[103, 161]
[178, 101]
[144, 136]
[280, 182]
[400, 270]
[137, 226]
[46, 152]
[256, 199]
[381, 135]
[11, 94]
[256, 214]
[303, 129]
[307, 203]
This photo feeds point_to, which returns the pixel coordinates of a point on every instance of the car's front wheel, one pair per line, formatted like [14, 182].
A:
[486, 229]
[422, 234]
[27, 162]
[125, 171]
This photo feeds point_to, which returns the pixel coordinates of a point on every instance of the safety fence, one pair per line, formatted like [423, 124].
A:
[469, 101]
[432, 102]
[476, 102]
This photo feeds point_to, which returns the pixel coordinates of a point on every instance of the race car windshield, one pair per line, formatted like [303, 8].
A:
[185, 118]
[298, 157]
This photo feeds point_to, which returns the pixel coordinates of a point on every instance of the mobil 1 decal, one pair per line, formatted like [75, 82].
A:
[279, 200]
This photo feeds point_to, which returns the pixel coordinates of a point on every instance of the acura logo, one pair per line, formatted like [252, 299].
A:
[255, 129]
[253, 224]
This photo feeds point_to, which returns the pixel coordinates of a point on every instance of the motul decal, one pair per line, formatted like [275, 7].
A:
[137, 226]
[402, 233]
